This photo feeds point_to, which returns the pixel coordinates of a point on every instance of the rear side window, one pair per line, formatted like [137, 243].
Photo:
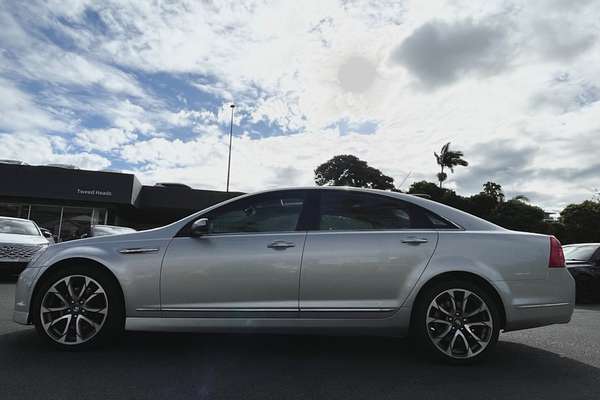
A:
[271, 212]
[340, 210]
[438, 222]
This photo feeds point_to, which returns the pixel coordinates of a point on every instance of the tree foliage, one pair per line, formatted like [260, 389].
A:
[493, 190]
[581, 222]
[517, 215]
[489, 204]
[349, 170]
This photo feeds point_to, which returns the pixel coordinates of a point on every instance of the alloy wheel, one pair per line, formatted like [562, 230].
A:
[74, 309]
[459, 323]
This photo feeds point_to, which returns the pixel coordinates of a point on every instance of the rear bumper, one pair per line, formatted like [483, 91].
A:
[532, 316]
[533, 303]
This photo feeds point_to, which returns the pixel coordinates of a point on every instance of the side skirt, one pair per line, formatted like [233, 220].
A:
[396, 323]
[263, 313]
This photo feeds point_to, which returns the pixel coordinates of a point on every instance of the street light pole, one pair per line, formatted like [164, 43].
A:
[230, 137]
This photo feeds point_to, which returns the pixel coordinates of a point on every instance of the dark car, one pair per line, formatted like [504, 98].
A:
[583, 262]
[105, 230]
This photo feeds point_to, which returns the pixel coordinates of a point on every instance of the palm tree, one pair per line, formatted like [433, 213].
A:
[448, 159]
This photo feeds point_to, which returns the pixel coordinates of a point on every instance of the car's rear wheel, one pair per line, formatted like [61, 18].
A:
[458, 321]
[78, 307]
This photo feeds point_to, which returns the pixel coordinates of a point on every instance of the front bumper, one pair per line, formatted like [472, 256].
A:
[13, 267]
[23, 295]
[21, 317]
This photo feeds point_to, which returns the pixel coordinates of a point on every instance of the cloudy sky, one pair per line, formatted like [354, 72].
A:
[144, 87]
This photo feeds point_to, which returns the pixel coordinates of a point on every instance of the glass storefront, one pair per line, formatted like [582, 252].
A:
[65, 223]
[46, 217]
[14, 210]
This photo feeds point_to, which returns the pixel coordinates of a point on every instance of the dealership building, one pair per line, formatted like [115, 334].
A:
[67, 201]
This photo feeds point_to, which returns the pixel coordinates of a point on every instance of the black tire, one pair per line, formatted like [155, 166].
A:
[424, 332]
[113, 322]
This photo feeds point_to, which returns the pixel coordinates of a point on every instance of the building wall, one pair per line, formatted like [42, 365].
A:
[68, 201]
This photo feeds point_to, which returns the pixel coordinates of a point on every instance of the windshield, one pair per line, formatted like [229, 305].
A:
[582, 253]
[18, 227]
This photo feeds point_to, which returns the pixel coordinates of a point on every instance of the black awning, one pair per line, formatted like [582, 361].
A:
[45, 182]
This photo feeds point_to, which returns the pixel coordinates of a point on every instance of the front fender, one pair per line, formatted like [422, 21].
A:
[138, 274]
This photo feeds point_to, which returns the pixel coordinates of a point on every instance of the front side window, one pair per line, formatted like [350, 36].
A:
[270, 212]
[341, 210]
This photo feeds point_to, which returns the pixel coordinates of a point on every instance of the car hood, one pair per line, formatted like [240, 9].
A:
[22, 239]
[151, 234]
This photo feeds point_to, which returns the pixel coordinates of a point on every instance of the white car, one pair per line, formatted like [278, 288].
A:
[20, 241]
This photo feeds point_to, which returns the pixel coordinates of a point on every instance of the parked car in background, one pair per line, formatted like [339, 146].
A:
[48, 235]
[21, 240]
[583, 262]
[305, 260]
[105, 230]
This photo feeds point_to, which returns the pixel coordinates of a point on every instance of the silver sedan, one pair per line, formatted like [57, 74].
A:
[314, 260]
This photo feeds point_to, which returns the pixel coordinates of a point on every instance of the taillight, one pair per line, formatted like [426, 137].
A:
[557, 257]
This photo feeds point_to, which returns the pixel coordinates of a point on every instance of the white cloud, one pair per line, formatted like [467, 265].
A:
[37, 149]
[304, 66]
[103, 140]
[191, 117]
[18, 111]
[33, 58]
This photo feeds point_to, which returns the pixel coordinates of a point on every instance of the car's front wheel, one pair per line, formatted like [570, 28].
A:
[77, 307]
[457, 320]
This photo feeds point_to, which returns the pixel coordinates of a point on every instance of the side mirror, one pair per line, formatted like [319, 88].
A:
[199, 227]
[48, 235]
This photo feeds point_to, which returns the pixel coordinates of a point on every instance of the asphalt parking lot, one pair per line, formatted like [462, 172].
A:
[556, 362]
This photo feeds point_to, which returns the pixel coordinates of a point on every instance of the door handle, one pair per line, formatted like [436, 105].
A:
[280, 245]
[414, 240]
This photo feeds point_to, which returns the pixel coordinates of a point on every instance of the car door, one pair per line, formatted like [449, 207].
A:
[365, 255]
[247, 264]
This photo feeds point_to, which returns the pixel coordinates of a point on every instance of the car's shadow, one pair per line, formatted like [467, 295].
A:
[178, 366]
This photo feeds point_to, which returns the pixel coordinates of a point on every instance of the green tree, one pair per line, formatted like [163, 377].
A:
[441, 195]
[349, 170]
[485, 203]
[517, 215]
[493, 190]
[521, 197]
[430, 189]
[482, 205]
[581, 222]
[490, 204]
[448, 159]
